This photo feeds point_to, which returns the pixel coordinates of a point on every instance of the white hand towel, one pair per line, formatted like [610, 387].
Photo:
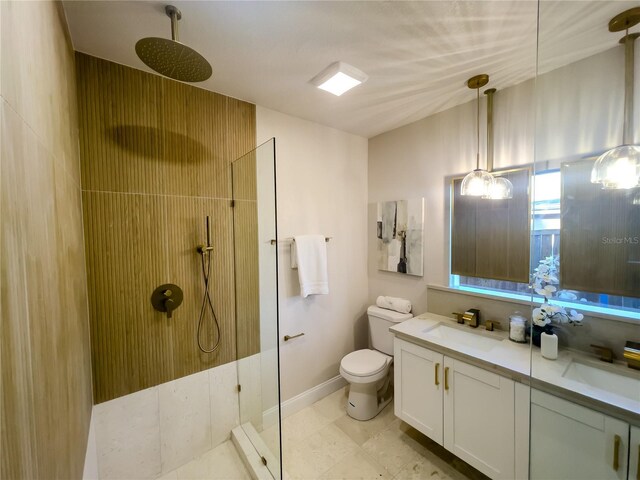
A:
[311, 256]
[394, 303]
[294, 256]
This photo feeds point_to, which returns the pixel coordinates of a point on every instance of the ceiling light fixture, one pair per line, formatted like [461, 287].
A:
[619, 168]
[501, 188]
[479, 182]
[338, 78]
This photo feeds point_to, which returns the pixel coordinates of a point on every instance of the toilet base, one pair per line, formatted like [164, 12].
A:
[366, 400]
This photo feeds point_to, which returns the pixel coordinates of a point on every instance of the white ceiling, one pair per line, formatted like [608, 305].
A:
[418, 55]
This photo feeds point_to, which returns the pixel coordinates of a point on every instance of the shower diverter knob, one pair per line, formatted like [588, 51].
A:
[166, 298]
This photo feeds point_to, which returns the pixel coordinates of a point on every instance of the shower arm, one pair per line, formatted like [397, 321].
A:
[174, 14]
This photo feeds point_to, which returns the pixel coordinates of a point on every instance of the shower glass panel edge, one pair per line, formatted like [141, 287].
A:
[256, 289]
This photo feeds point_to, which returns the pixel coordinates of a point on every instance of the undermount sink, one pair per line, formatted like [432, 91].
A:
[461, 338]
[604, 379]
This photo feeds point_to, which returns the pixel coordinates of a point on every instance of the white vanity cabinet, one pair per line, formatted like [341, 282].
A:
[569, 441]
[479, 418]
[468, 410]
[418, 388]
[634, 454]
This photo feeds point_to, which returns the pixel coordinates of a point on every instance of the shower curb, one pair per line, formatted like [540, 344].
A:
[248, 442]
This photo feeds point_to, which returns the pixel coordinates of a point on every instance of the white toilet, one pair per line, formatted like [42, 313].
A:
[369, 371]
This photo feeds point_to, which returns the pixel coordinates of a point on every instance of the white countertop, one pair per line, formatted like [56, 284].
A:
[523, 363]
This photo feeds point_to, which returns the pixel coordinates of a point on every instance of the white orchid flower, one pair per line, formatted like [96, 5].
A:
[539, 317]
[553, 309]
[567, 295]
[575, 316]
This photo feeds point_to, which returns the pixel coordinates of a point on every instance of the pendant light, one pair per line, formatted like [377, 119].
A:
[502, 188]
[619, 168]
[479, 182]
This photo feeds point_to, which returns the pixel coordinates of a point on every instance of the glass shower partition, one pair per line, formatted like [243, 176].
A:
[255, 258]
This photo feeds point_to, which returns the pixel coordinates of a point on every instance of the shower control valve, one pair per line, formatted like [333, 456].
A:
[166, 298]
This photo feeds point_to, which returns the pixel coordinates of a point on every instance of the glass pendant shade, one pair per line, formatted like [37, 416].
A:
[477, 183]
[501, 189]
[618, 168]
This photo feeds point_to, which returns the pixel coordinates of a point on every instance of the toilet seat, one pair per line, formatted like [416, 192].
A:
[364, 363]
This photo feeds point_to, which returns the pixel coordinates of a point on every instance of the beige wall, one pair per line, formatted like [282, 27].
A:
[579, 109]
[322, 188]
[46, 372]
[420, 159]
[156, 160]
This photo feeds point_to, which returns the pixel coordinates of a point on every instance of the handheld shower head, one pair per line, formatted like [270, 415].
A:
[208, 232]
[202, 249]
[172, 58]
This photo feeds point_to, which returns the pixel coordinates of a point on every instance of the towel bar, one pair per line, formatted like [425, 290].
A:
[291, 239]
[289, 337]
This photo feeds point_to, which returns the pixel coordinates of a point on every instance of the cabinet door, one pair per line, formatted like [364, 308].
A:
[418, 386]
[479, 418]
[521, 443]
[569, 441]
[634, 454]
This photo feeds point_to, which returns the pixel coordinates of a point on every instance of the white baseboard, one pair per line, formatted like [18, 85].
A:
[303, 400]
[269, 417]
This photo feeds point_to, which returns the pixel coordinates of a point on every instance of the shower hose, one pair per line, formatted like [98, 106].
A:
[207, 303]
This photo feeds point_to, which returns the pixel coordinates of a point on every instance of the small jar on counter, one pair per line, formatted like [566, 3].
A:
[517, 328]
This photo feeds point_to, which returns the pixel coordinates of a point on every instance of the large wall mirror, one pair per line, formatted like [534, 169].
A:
[586, 427]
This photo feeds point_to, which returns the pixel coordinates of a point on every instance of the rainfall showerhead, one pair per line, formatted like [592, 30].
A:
[170, 57]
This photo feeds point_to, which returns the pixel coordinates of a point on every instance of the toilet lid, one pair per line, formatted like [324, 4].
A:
[363, 363]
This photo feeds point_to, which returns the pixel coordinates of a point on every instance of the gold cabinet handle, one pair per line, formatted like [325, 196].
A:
[446, 378]
[616, 452]
[436, 370]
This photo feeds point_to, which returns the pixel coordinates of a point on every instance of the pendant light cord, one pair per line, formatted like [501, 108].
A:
[627, 125]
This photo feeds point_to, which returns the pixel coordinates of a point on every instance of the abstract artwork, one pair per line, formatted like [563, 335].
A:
[400, 236]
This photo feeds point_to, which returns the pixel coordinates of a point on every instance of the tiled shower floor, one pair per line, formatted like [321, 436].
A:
[322, 442]
[220, 463]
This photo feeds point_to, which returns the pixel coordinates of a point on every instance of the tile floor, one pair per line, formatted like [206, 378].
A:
[321, 442]
[220, 463]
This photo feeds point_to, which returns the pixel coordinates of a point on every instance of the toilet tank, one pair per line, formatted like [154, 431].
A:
[380, 320]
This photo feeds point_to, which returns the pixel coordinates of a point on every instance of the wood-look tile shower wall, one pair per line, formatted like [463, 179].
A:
[156, 160]
[45, 361]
